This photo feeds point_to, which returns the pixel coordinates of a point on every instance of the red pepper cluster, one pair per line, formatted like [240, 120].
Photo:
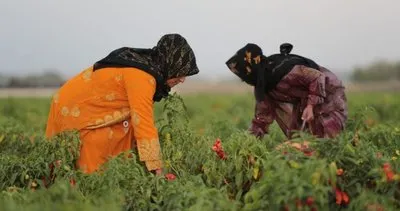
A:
[339, 172]
[217, 148]
[388, 171]
[341, 197]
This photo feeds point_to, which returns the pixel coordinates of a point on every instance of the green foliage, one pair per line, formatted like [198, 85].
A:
[377, 71]
[255, 176]
[50, 78]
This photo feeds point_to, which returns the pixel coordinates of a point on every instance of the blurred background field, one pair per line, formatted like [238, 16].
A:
[205, 108]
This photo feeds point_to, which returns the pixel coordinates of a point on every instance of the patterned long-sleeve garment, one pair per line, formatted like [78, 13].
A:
[113, 111]
[300, 87]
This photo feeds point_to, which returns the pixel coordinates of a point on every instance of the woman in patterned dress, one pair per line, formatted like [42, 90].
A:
[292, 90]
[111, 102]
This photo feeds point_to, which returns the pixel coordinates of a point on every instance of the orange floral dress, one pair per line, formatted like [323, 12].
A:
[113, 111]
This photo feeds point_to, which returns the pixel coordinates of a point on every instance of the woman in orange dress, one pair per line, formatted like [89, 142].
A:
[111, 102]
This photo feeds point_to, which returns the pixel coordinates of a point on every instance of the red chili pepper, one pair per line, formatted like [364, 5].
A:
[221, 155]
[72, 182]
[308, 153]
[170, 177]
[389, 176]
[341, 197]
[345, 198]
[310, 200]
[217, 147]
[386, 166]
[388, 171]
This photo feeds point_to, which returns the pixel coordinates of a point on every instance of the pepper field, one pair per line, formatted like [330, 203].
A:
[359, 170]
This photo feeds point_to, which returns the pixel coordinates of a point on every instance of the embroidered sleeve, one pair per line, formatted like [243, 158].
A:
[314, 81]
[263, 117]
[140, 88]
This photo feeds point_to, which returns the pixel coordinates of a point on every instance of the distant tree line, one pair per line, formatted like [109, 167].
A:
[45, 80]
[374, 72]
[377, 71]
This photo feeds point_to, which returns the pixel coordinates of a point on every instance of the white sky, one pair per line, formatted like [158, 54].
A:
[72, 34]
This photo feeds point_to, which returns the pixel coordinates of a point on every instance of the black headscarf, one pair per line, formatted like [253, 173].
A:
[172, 57]
[262, 72]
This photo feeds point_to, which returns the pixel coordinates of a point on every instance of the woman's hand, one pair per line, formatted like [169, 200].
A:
[308, 113]
[256, 131]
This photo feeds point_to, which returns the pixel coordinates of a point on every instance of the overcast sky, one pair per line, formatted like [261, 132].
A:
[72, 34]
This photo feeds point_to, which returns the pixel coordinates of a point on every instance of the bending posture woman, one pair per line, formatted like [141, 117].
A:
[293, 90]
[111, 102]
